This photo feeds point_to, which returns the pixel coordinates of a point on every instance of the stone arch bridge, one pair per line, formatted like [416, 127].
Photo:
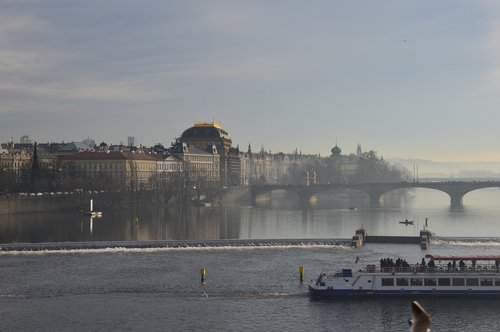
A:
[455, 189]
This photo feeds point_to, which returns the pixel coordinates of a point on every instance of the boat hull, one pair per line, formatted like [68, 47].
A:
[342, 293]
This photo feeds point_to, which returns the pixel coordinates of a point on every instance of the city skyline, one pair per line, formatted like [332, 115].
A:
[408, 80]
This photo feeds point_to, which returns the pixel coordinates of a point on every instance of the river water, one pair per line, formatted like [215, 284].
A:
[246, 288]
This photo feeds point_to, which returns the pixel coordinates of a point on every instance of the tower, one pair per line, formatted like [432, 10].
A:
[359, 153]
[35, 168]
[131, 141]
[336, 151]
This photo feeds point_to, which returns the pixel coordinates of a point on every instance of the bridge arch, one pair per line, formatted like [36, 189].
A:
[414, 196]
[267, 190]
[376, 192]
[341, 198]
[488, 195]
[455, 189]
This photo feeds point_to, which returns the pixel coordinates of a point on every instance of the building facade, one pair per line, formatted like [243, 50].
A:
[206, 136]
[121, 170]
[201, 164]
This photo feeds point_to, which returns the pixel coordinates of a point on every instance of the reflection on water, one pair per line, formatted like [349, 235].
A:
[330, 215]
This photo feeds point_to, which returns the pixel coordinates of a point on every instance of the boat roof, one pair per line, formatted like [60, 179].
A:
[490, 257]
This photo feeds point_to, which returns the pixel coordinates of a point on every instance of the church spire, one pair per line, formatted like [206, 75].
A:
[359, 153]
[35, 168]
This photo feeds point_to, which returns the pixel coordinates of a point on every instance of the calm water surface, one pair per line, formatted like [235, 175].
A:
[246, 288]
[331, 217]
[254, 289]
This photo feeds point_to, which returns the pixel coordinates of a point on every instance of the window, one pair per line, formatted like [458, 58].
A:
[458, 282]
[401, 282]
[430, 282]
[472, 281]
[387, 282]
[415, 281]
[486, 281]
[444, 282]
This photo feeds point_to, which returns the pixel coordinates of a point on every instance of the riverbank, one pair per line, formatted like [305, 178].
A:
[36, 204]
[50, 202]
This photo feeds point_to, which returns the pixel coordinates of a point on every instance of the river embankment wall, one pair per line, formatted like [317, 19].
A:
[17, 204]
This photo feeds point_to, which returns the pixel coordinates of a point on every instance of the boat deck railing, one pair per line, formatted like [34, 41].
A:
[440, 269]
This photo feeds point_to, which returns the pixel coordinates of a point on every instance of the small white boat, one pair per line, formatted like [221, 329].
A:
[91, 212]
[452, 275]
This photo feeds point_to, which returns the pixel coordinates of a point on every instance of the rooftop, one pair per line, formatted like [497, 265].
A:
[114, 155]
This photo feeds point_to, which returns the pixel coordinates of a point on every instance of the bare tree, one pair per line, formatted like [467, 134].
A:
[374, 169]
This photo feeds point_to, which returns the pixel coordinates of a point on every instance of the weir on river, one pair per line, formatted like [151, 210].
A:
[52, 246]
[173, 244]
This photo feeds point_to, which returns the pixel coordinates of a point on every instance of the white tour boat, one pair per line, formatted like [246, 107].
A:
[441, 275]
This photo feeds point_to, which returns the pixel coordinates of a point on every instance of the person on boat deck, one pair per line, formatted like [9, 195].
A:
[496, 265]
[449, 266]
[423, 264]
[454, 265]
[473, 265]
[431, 265]
[386, 264]
[461, 264]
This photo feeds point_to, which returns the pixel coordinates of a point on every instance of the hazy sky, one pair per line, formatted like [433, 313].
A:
[411, 79]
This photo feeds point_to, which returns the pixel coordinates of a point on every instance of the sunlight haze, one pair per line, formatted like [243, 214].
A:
[408, 79]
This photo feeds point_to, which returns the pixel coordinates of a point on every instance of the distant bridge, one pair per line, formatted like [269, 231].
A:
[455, 189]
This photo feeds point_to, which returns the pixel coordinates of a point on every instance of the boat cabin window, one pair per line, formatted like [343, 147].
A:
[415, 281]
[458, 282]
[387, 282]
[401, 282]
[472, 281]
[444, 282]
[430, 282]
[486, 281]
[346, 273]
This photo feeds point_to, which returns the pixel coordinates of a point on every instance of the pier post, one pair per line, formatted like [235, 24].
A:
[253, 197]
[301, 272]
[305, 200]
[358, 240]
[457, 201]
[202, 275]
[375, 200]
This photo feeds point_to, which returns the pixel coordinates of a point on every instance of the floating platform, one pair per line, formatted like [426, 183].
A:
[392, 239]
[361, 237]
